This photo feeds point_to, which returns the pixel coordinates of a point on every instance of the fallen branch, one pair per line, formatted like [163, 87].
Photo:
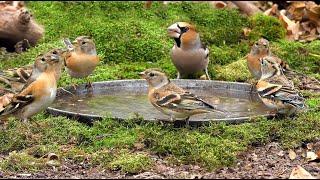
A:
[247, 7]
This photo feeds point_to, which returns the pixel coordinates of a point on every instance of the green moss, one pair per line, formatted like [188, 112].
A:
[299, 56]
[21, 162]
[129, 40]
[268, 27]
[216, 26]
[131, 163]
[236, 71]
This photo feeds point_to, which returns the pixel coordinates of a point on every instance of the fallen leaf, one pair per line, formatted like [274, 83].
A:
[246, 31]
[296, 10]
[52, 156]
[218, 4]
[313, 12]
[292, 154]
[299, 172]
[273, 11]
[309, 146]
[291, 26]
[311, 156]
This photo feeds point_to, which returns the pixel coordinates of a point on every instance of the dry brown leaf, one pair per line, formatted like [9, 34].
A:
[218, 4]
[313, 12]
[147, 4]
[273, 11]
[296, 10]
[291, 26]
[310, 146]
[292, 154]
[52, 156]
[246, 31]
[299, 172]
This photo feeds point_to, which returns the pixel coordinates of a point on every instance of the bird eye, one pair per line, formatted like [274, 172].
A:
[83, 43]
[42, 59]
[54, 52]
[151, 74]
[184, 29]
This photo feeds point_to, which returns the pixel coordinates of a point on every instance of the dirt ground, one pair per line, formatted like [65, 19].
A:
[266, 162]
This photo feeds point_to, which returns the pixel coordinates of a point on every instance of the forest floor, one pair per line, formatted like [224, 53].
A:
[130, 39]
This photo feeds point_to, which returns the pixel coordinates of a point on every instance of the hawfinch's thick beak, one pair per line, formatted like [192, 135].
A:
[174, 31]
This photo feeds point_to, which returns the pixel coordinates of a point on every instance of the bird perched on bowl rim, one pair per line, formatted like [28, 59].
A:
[188, 54]
[260, 50]
[172, 100]
[276, 91]
[40, 91]
[81, 58]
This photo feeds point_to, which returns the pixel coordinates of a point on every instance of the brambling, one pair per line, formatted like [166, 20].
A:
[172, 100]
[40, 90]
[188, 54]
[261, 49]
[82, 58]
[276, 91]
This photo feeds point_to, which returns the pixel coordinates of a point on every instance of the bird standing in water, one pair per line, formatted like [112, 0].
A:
[172, 100]
[276, 91]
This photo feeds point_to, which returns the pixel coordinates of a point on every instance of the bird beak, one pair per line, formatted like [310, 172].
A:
[55, 57]
[74, 42]
[174, 31]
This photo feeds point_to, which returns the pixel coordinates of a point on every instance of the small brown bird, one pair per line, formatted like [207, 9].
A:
[276, 91]
[172, 100]
[188, 54]
[82, 58]
[260, 50]
[40, 90]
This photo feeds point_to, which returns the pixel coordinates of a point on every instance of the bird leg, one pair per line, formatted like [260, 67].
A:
[178, 76]
[172, 119]
[207, 74]
[74, 85]
[89, 84]
[187, 120]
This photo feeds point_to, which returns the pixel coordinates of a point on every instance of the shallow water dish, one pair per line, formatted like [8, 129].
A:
[122, 99]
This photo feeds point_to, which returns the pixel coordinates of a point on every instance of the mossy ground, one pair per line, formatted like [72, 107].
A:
[129, 39]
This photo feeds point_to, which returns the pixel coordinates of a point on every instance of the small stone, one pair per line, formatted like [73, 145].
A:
[281, 153]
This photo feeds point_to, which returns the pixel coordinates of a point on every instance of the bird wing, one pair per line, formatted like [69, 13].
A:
[183, 101]
[17, 103]
[206, 50]
[286, 94]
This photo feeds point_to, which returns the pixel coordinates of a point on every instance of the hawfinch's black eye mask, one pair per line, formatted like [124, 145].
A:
[182, 30]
